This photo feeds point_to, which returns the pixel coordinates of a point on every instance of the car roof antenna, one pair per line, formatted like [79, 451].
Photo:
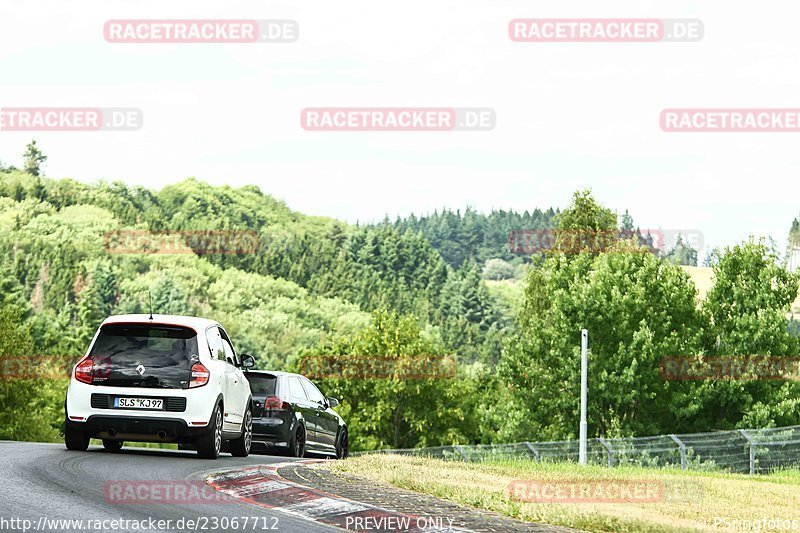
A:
[150, 296]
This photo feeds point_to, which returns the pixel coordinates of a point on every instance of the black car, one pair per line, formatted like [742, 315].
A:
[291, 415]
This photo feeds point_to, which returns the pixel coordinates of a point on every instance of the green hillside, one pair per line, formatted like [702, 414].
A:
[316, 287]
[57, 266]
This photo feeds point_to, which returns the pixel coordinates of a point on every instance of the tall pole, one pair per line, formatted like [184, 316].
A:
[584, 393]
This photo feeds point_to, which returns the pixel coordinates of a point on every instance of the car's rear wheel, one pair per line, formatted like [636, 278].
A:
[241, 447]
[112, 445]
[76, 439]
[297, 446]
[210, 442]
[343, 445]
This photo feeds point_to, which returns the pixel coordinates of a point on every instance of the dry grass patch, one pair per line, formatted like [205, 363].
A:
[690, 501]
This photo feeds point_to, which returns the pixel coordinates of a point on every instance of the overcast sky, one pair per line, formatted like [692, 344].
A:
[569, 115]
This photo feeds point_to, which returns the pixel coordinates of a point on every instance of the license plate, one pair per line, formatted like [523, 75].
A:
[138, 403]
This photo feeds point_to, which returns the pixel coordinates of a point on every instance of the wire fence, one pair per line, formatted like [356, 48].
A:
[749, 451]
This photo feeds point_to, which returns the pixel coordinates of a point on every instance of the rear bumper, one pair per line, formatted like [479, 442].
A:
[132, 427]
[184, 409]
[272, 432]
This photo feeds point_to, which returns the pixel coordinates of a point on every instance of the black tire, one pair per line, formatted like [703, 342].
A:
[112, 445]
[210, 442]
[297, 446]
[241, 447]
[76, 439]
[343, 445]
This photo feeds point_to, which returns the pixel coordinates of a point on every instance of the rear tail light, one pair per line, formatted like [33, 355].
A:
[199, 376]
[276, 404]
[84, 370]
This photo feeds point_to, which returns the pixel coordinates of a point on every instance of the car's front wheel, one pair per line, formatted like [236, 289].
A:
[241, 447]
[209, 443]
[343, 445]
[112, 445]
[76, 439]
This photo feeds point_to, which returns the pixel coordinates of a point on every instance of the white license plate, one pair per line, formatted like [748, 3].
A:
[138, 403]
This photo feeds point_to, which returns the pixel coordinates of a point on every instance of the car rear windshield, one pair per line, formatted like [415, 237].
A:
[262, 384]
[144, 355]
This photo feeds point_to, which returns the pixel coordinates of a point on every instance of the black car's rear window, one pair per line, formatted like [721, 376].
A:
[262, 383]
[144, 355]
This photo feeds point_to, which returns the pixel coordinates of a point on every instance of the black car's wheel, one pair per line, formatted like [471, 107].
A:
[297, 446]
[76, 439]
[210, 442]
[241, 447]
[112, 445]
[342, 445]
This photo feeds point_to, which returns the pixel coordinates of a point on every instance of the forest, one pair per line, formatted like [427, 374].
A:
[441, 285]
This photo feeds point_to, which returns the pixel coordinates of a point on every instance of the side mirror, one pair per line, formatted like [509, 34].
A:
[333, 402]
[248, 361]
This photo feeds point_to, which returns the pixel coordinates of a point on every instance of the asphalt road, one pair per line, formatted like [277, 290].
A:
[44, 482]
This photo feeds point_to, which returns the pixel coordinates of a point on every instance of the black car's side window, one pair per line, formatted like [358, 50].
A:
[296, 389]
[313, 392]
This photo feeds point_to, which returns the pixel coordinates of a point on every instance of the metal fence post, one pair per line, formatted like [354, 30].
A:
[682, 447]
[607, 446]
[461, 451]
[584, 388]
[533, 450]
[752, 451]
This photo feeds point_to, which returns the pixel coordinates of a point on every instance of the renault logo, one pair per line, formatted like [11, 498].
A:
[140, 369]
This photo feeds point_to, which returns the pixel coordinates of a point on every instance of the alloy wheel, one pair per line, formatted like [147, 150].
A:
[300, 447]
[218, 431]
[248, 430]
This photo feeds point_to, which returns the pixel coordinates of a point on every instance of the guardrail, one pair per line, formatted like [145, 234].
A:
[749, 451]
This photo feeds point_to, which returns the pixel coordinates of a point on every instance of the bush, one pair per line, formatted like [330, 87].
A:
[498, 269]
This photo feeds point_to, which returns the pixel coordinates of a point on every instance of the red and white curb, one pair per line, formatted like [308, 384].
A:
[263, 486]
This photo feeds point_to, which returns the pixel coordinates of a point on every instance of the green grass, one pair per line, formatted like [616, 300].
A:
[690, 501]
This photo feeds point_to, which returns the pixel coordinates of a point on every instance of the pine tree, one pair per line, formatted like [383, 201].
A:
[34, 159]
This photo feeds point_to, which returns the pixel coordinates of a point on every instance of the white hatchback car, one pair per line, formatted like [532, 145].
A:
[160, 378]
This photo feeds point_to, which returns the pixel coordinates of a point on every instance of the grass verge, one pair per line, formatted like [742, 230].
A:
[688, 501]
